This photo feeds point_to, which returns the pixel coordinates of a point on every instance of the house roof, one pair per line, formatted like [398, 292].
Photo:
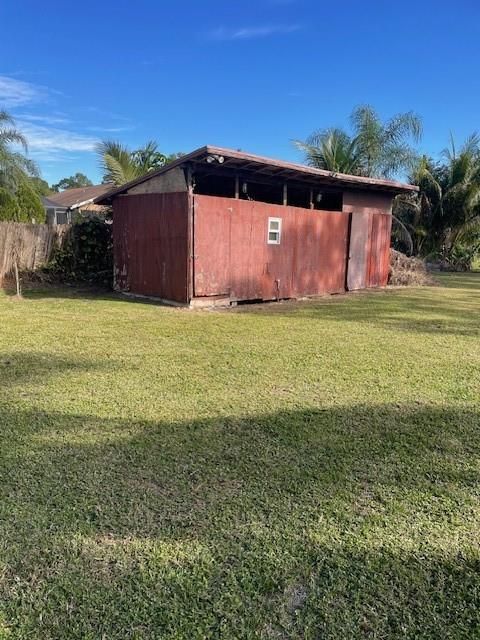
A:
[47, 202]
[267, 168]
[74, 198]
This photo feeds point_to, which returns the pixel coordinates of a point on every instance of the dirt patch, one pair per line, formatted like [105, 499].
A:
[406, 271]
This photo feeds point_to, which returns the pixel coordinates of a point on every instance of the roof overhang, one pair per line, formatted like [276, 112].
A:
[241, 162]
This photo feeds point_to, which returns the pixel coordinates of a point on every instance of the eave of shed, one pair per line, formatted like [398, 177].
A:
[270, 168]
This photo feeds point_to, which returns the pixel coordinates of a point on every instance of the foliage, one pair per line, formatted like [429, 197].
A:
[29, 204]
[168, 474]
[332, 150]
[86, 255]
[120, 165]
[373, 148]
[40, 186]
[19, 200]
[73, 182]
[443, 219]
[15, 167]
[8, 206]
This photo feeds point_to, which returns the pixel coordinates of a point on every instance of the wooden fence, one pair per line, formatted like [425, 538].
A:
[31, 245]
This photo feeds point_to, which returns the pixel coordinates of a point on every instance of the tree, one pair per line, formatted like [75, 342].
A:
[8, 206]
[40, 186]
[29, 204]
[14, 166]
[443, 219]
[18, 198]
[374, 148]
[73, 182]
[120, 165]
[332, 150]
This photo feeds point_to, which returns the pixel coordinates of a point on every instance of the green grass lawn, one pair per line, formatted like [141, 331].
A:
[294, 470]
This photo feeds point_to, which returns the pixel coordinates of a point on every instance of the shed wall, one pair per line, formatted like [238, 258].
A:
[232, 256]
[172, 181]
[367, 202]
[150, 239]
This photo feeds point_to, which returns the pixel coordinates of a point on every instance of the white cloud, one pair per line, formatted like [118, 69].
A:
[109, 129]
[52, 135]
[53, 143]
[107, 114]
[15, 93]
[44, 119]
[247, 33]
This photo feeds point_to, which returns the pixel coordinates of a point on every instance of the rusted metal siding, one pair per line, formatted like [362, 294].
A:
[232, 256]
[150, 238]
[379, 250]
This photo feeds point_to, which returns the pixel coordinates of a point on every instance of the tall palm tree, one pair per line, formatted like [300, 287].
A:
[15, 167]
[374, 148]
[120, 165]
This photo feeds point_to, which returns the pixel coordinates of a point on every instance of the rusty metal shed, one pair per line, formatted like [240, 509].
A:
[223, 226]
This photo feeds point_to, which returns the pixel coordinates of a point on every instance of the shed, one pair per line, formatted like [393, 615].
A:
[219, 226]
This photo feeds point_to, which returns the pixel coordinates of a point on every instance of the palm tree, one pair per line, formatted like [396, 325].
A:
[120, 165]
[373, 149]
[332, 150]
[445, 214]
[15, 168]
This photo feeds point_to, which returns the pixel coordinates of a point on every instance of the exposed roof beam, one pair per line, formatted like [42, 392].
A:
[247, 162]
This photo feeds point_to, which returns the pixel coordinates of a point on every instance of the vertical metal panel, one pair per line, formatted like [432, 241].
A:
[358, 250]
[212, 245]
[387, 241]
[379, 250]
[321, 252]
[373, 261]
[232, 255]
[150, 234]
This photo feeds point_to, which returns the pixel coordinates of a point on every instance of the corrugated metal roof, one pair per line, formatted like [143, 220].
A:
[266, 167]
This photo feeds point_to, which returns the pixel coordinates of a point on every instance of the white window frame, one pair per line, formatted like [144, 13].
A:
[277, 231]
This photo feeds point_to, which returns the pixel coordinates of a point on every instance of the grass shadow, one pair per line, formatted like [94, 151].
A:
[345, 522]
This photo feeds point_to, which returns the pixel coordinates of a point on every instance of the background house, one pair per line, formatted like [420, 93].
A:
[221, 226]
[61, 207]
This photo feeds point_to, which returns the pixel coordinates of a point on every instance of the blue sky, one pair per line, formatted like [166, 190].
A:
[250, 74]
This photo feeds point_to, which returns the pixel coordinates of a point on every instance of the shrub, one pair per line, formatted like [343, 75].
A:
[86, 254]
[8, 206]
[29, 205]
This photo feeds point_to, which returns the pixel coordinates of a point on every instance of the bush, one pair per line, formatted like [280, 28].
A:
[29, 205]
[86, 254]
[8, 206]
[23, 206]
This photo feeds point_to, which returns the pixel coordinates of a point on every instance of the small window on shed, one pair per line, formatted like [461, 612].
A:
[274, 230]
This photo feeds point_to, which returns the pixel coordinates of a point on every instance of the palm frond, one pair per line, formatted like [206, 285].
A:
[404, 233]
